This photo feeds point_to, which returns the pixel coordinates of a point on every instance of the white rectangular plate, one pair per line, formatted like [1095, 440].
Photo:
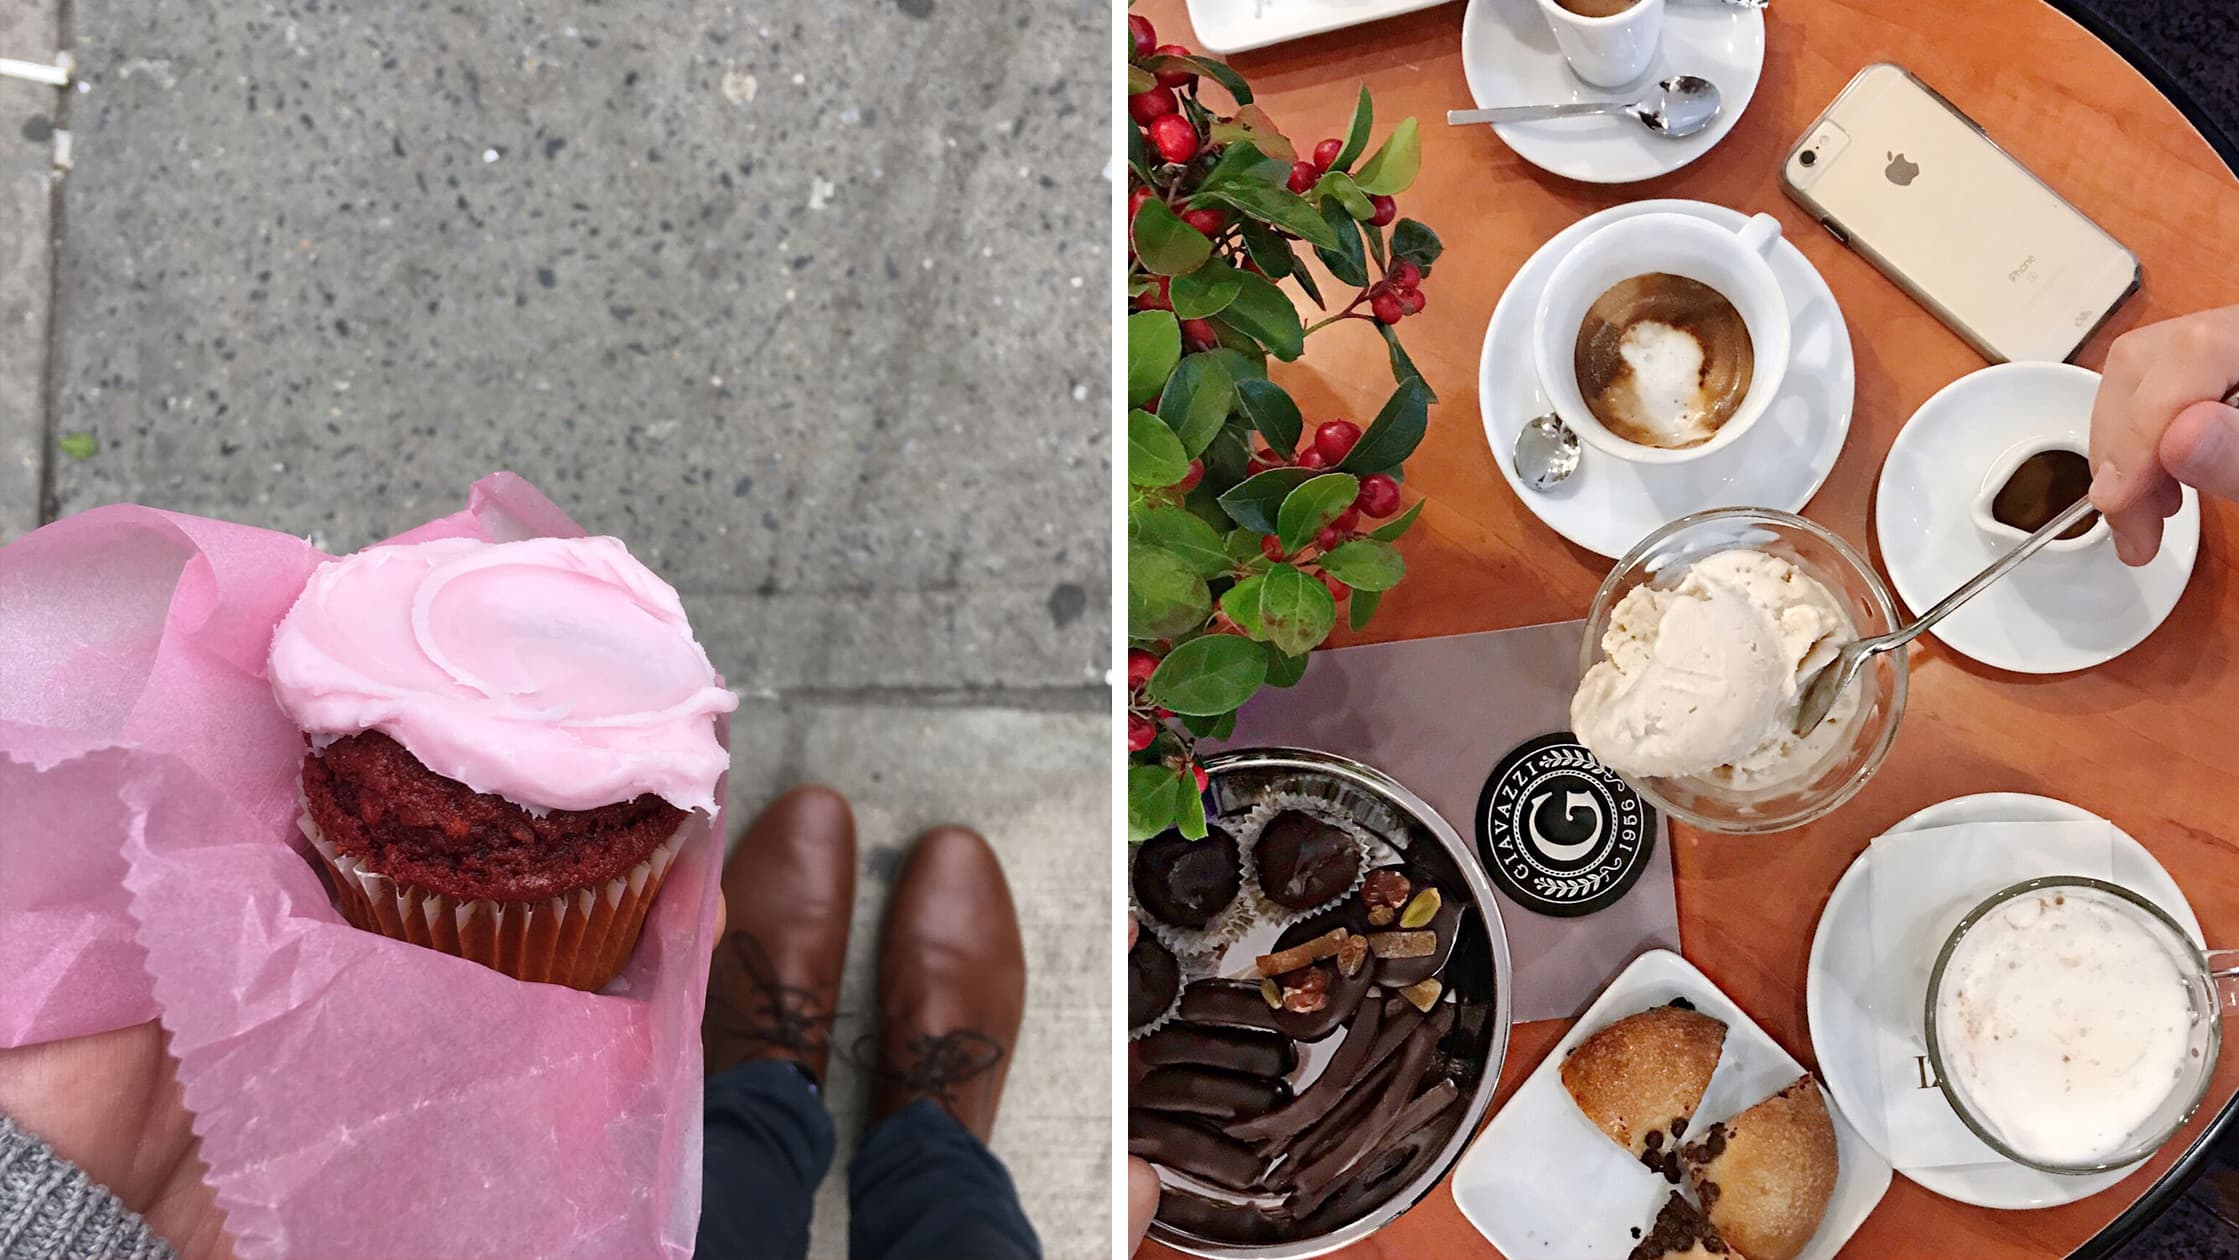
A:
[1541, 1180]
[1231, 26]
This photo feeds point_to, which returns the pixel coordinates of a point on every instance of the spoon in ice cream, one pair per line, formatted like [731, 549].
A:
[1820, 691]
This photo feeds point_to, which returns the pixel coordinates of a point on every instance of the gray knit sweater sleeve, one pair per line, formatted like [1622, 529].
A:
[50, 1210]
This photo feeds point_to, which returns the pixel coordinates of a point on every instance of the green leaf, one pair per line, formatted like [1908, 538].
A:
[1346, 262]
[1364, 606]
[1393, 166]
[1251, 125]
[1212, 727]
[1242, 165]
[1140, 80]
[1312, 506]
[1306, 281]
[1271, 203]
[1403, 368]
[77, 445]
[1182, 535]
[1415, 243]
[1227, 461]
[1189, 812]
[1254, 501]
[1338, 186]
[1196, 401]
[1375, 237]
[1230, 81]
[1241, 603]
[1390, 530]
[1264, 314]
[1396, 431]
[1205, 291]
[1241, 366]
[1356, 135]
[1154, 346]
[1154, 455]
[1282, 670]
[1140, 159]
[1168, 246]
[1242, 546]
[1295, 610]
[1272, 412]
[1365, 564]
[1213, 674]
[1269, 251]
[1164, 597]
[1154, 794]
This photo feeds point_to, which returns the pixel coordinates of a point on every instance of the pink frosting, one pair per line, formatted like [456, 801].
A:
[559, 673]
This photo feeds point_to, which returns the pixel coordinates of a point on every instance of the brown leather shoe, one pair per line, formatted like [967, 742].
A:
[952, 982]
[775, 979]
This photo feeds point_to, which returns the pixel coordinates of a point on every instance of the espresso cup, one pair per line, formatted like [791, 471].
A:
[2004, 536]
[1731, 261]
[2209, 984]
[1607, 51]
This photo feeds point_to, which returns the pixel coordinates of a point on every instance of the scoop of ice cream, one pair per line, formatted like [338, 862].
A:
[1702, 679]
[559, 673]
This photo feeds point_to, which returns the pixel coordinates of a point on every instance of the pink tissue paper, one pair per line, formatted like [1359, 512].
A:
[356, 1096]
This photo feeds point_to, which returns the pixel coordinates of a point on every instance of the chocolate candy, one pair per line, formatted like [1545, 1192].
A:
[1252, 1224]
[1191, 1148]
[1338, 1075]
[1152, 978]
[1251, 1051]
[1187, 882]
[1366, 1163]
[1321, 1173]
[1203, 1092]
[1344, 993]
[1304, 861]
[1234, 1003]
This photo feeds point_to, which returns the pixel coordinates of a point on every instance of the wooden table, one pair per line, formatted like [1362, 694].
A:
[2150, 740]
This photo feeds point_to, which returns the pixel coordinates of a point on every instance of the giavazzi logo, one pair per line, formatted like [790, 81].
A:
[1559, 831]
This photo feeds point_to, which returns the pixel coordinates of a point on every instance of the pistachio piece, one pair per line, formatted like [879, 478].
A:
[1271, 993]
[1421, 910]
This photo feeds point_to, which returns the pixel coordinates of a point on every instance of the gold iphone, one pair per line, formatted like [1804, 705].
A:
[1897, 173]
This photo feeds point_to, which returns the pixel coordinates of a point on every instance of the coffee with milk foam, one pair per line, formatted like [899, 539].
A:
[1663, 360]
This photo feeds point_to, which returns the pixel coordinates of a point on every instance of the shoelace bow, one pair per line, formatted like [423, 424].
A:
[937, 1062]
[778, 1015]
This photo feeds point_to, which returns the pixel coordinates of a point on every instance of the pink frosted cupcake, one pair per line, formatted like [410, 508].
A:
[509, 742]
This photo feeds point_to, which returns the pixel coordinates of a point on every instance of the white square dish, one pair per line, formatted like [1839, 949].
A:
[1541, 1180]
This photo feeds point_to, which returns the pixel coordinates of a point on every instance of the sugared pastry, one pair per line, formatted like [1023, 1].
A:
[1764, 1177]
[1153, 978]
[1187, 882]
[1640, 1079]
[1304, 861]
[1680, 1233]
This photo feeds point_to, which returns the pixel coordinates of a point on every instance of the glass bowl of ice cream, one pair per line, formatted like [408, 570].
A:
[1694, 658]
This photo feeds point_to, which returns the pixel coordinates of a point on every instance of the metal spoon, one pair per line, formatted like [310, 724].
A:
[1546, 452]
[1679, 107]
[1820, 693]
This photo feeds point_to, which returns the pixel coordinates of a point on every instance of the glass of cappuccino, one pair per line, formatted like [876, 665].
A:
[2074, 1025]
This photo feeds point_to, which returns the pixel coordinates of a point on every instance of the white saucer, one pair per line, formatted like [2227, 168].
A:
[1541, 1180]
[1231, 26]
[1510, 58]
[1841, 972]
[1610, 504]
[2072, 613]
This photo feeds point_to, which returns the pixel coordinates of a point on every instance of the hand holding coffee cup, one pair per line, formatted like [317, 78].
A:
[1608, 43]
[1662, 338]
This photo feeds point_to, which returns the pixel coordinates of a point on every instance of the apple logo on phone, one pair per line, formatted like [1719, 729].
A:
[1901, 169]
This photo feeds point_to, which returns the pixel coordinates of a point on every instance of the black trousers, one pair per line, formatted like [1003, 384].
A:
[920, 1188]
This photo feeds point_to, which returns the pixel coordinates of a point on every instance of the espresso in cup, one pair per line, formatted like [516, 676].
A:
[2065, 1018]
[1597, 8]
[2042, 487]
[1663, 360]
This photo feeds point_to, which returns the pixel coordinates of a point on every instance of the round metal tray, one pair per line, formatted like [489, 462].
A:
[1480, 959]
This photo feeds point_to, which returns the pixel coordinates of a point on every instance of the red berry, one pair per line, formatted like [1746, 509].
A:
[1198, 772]
[1329, 537]
[1156, 298]
[1197, 334]
[1140, 666]
[1173, 137]
[1335, 440]
[1252, 267]
[1410, 300]
[1312, 459]
[1195, 474]
[1325, 154]
[1259, 462]
[1336, 589]
[1386, 209]
[1160, 712]
[1209, 221]
[1406, 275]
[1302, 177]
[1387, 308]
[1139, 29]
[1144, 107]
[1347, 521]
[1379, 496]
[1140, 732]
[1271, 547]
[1172, 78]
[1135, 201]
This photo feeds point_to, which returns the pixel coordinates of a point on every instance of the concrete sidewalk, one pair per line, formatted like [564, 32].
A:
[807, 303]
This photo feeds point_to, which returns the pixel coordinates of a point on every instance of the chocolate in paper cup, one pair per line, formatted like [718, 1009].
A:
[1206, 944]
[1322, 805]
[580, 938]
[1187, 969]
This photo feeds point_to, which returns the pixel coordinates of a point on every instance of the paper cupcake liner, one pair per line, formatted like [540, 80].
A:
[1321, 805]
[580, 939]
[1173, 1008]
